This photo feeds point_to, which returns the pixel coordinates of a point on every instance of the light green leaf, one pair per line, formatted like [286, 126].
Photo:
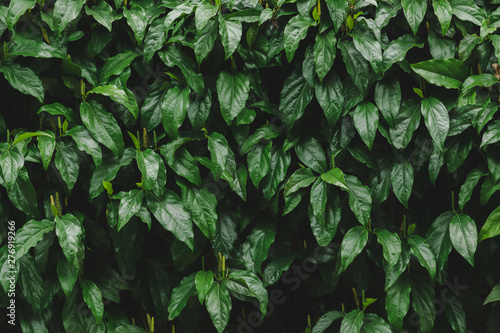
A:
[467, 10]
[324, 53]
[335, 177]
[203, 282]
[173, 109]
[204, 12]
[352, 322]
[130, 204]
[118, 95]
[414, 11]
[463, 234]
[443, 11]
[230, 33]
[69, 231]
[16, 9]
[491, 227]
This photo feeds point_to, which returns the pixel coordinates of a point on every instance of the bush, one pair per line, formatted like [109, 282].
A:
[250, 166]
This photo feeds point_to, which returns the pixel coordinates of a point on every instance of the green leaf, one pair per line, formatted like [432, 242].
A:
[330, 96]
[219, 150]
[280, 162]
[397, 302]
[295, 31]
[130, 204]
[414, 11]
[59, 109]
[37, 49]
[70, 233]
[356, 65]
[46, 145]
[365, 118]
[294, 97]
[201, 203]
[23, 195]
[23, 79]
[402, 180]
[449, 72]
[181, 295]
[318, 197]
[204, 12]
[388, 99]
[463, 234]
[352, 322]
[11, 161]
[494, 295]
[443, 11]
[66, 161]
[173, 56]
[30, 234]
[116, 65]
[492, 134]
[422, 250]
[137, 20]
[481, 80]
[30, 282]
[67, 274]
[184, 165]
[456, 315]
[255, 286]
[218, 303]
[369, 47]
[311, 153]
[203, 282]
[16, 9]
[353, 243]
[324, 225]
[102, 13]
[93, 297]
[261, 238]
[467, 10]
[324, 53]
[491, 227]
[468, 186]
[391, 244]
[230, 33]
[406, 123]
[360, 199]
[436, 119]
[64, 12]
[205, 40]
[338, 12]
[436, 161]
[232, 90]
[335, 177]
[299, 179]
[326, 321]
[173, 109]
[423, 295]
[118, 95]
[467, 45]
[397, 49]
[172, 215]
[154, 39]
[86, 143]
[102, 125]
[277, 265]
[259, 162]
[438, 238]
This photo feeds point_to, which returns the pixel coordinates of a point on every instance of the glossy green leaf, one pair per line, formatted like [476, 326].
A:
[491, 227]
[370, 48]
[255, 286]
[295, 31]
[11, 162]
[467, 10]
[360, 199]
[353, 243]
[356, 65]
[335, 177]
[449, 72]
[93, 297]
[406, 123]
[261, 238]
[181, 295]
[69, 231]
[116, 65]
[436, 119]
[421, 249]
[232, 92]
[324, 53]
[310, 153]
[294, 97]
[218, 303]
[326, 321]
[102, 125]
[203, 282]
[67, 274]
[201, 203]
[388, 99]
[338, 12]
[174, 107]
[352, 322]
[86, 143]
[22, 194]
[299, 179]
[230, 33]
[66, 161]
[414, 11]
[46, 145]
[330, 96]
[463, 234]
[391, 244]
[102, 13]
[422, 294]
[443, 11]
[173, 56]
[64, 12]
[172, 215]
[23, 79]
[397, 302]
[397, 49]
[438, 237]
[455, 313]
[205, 40]
[324, 226]
[402, 180]
[365, 118]
[30, 234]
[16, 9]
[130, 204]
[494, 295]
[259, 162]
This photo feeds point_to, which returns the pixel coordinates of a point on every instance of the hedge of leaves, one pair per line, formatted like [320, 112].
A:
[250, 166]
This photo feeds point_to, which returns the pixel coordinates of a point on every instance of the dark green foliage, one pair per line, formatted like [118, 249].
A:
[250, 166]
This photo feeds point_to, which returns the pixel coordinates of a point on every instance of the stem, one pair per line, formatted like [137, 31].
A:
[453, 202]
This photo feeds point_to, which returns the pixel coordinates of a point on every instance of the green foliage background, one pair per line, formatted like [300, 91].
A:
[240, 166]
